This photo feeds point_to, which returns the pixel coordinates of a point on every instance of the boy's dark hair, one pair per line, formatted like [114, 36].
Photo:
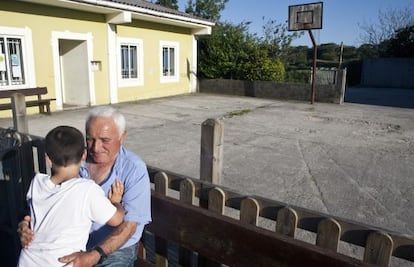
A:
[65, 145]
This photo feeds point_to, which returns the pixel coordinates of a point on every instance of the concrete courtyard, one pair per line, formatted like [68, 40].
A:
[352, 160]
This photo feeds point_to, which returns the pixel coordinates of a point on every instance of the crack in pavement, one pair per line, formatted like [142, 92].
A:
[312, 178]
[364, 193]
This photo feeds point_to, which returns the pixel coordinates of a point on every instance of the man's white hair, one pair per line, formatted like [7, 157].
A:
[107, 112]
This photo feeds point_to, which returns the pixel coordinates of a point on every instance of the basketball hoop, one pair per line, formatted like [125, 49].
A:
[307, 17]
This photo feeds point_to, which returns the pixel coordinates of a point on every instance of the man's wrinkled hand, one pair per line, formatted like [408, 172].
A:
[26, 234]
[81, 259]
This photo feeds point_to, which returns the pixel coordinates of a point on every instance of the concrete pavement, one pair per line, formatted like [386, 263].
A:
[351, 160]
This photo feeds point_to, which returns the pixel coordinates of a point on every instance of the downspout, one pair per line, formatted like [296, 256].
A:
[193, 67]
[112, 64]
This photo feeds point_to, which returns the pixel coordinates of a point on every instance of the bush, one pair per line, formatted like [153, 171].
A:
[297, 76]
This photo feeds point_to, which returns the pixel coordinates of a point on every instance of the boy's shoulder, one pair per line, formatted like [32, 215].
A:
[83, 181]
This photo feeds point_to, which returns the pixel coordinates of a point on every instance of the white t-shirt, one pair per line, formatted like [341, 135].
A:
[61, 218]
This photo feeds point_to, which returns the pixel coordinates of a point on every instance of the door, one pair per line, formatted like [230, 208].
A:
[74, 71]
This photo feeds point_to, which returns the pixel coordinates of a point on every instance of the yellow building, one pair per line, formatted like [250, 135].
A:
[93, 52]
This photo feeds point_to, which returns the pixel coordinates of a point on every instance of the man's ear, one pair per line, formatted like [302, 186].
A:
[122, 138]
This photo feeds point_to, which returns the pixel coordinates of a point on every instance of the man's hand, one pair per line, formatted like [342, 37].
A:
[116, 192]
[81, 259]
[26, 234]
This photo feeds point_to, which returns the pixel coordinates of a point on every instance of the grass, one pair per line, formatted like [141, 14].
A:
[237, 113]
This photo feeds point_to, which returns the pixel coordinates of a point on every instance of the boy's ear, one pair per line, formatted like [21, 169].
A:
[48, 161]
[84, 155]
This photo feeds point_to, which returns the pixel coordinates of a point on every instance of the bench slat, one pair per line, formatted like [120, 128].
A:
[24, 91]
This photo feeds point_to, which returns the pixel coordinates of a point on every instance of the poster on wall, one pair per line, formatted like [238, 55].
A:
[16, 70]
[15, 60]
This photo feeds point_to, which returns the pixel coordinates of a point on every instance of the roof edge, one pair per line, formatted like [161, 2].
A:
[105, 6]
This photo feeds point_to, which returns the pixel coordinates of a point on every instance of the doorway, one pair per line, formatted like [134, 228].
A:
[74, 73]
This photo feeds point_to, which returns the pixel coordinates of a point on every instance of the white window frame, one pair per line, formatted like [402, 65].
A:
[175, 77]
[127, 82]
[25, 35]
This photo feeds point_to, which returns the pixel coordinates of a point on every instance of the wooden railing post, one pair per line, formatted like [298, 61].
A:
[287, 222]
[187, 191]
[329, 233]
[161, 245]
[211, 156]
[216, 203]
[187, 195]
[249, 211]
[19, 113]
[378, 249]
[216, 200]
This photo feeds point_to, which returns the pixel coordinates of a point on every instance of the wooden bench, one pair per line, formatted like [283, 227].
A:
[42, 103]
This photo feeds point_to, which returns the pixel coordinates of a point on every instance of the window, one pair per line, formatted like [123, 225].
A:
[11, 61]
[16, 58]
[130, 62]
[169, 61]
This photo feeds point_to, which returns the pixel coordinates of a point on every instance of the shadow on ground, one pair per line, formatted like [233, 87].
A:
[392, 97]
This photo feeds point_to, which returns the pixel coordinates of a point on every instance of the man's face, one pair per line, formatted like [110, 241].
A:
[103, 140]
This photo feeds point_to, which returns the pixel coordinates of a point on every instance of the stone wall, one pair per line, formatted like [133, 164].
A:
[328, 93]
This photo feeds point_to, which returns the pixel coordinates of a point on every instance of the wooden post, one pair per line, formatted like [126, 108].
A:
[19, 113]
[216, 203]
[329, 234]
[161, 244]
[187, 195]
[341, 84]
[287, 222]
[378, 249]
[211, 157]
[249, 211]
[216, 200]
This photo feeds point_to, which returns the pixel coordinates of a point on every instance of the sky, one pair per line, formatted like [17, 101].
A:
[340, 18]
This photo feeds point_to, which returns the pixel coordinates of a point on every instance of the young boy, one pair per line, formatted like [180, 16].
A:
[63, 206]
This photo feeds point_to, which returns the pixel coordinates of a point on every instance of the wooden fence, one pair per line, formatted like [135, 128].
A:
[379, 245]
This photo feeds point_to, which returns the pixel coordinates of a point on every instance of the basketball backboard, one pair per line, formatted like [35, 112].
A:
[305, 16]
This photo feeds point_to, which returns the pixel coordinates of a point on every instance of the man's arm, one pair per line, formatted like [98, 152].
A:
[115, 240]
[119, 237]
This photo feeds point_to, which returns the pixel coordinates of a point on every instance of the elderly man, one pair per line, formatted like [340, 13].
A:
[107, 161]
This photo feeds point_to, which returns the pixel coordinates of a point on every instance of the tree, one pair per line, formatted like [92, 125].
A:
[168, 3]
[296, 57]
[231, 52]
[368, 51]
[208, 9]
[389, 21]
[402, 44]
[276, 38]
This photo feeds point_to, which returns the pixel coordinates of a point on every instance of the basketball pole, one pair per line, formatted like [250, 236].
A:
[315, 54]
[307, 17]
